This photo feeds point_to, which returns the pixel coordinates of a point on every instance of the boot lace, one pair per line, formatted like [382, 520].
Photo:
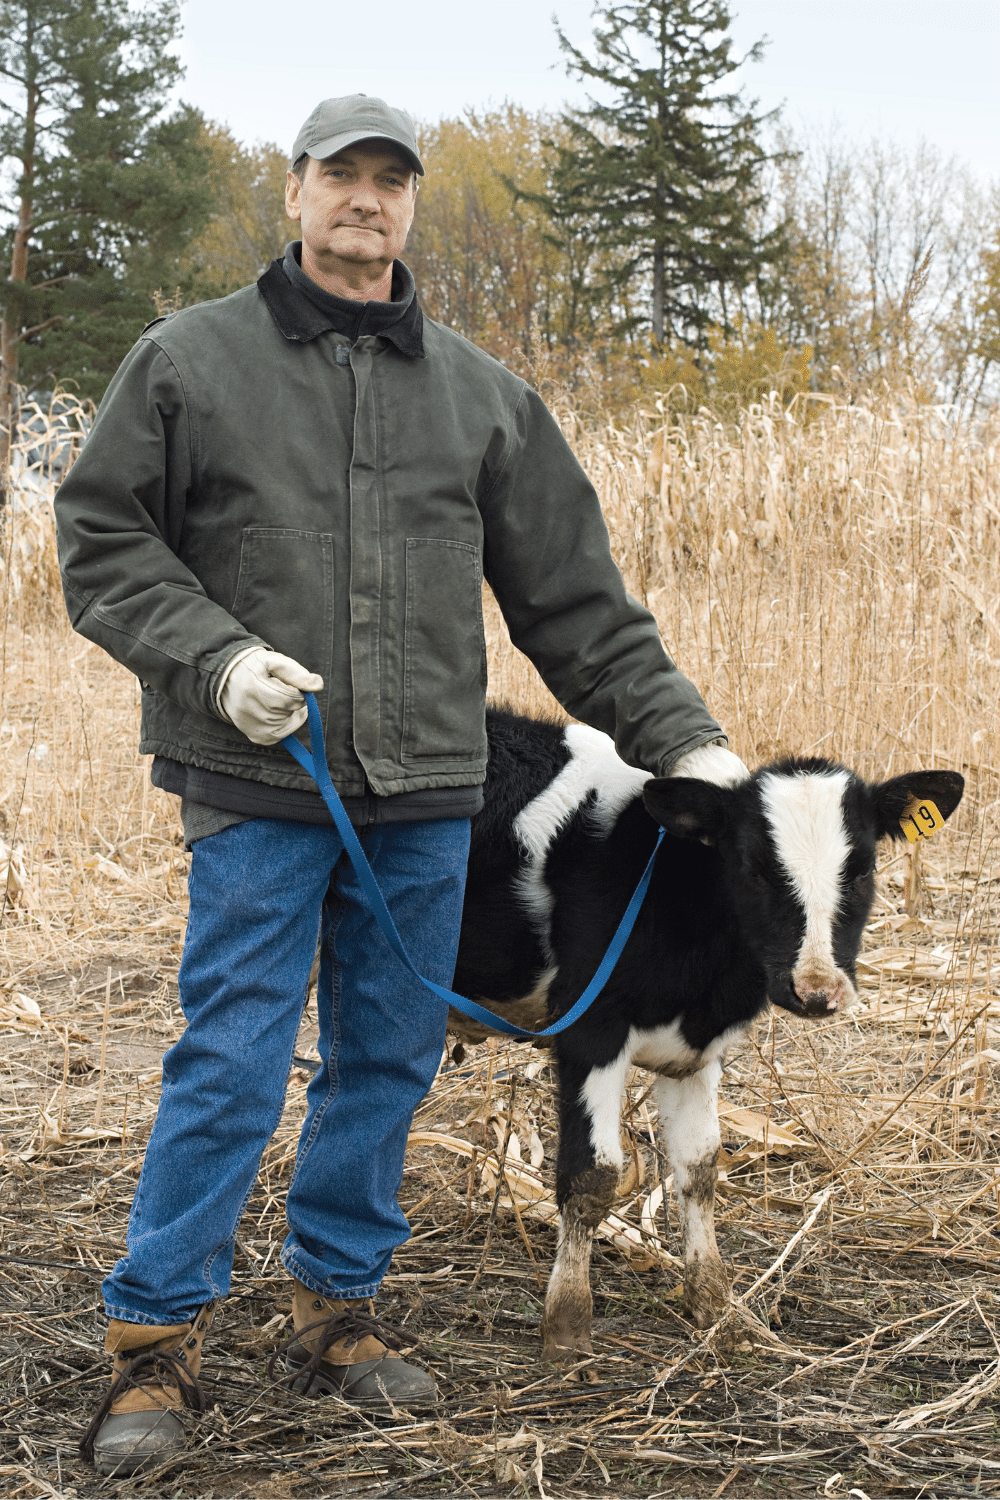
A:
[153, 1367]
[351, 1322]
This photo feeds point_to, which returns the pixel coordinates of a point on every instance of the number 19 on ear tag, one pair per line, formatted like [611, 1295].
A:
[920, 819]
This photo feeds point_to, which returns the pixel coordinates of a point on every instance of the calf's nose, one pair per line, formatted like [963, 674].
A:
[820, 996]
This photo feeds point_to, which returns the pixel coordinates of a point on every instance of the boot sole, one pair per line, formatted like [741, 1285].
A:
[127, 1468]
[129, 1464]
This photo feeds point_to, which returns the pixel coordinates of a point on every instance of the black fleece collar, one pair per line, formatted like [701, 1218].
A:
[302, 314]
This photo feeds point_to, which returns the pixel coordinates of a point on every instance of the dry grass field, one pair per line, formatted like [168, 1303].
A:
[828, 576]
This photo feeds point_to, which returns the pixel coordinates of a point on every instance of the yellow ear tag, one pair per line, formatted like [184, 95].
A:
[920, 819]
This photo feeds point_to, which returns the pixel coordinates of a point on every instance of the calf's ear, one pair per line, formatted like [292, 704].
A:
[687, 809]
[943, 788]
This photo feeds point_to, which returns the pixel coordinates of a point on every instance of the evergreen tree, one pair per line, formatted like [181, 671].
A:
[107, 191]
[667, 174]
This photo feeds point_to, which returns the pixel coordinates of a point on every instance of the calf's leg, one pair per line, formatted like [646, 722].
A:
[689, 1130]
[589, 1164]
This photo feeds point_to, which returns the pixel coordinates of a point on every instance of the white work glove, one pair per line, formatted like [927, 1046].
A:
[261, 693]
[711, 762]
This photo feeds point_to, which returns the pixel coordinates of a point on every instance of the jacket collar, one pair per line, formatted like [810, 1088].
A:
[301, 319]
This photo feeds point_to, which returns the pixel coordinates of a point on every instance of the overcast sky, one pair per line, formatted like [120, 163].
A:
[899, 68]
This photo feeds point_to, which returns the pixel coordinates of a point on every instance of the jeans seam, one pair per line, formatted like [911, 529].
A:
[291, 1264]
[231, 1237]
[126, 1315]
[333, 1055]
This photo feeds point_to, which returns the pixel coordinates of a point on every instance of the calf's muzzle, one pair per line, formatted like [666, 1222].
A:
[821, 993]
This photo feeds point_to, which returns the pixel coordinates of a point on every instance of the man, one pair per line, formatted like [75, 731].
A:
[301, 488]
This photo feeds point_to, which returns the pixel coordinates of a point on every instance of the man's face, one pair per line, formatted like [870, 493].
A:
[355, 208]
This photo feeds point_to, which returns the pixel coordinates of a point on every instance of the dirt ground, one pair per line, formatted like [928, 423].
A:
[861, 1358]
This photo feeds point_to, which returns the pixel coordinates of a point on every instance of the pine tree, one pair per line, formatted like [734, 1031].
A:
[667, 174]
[107, 191]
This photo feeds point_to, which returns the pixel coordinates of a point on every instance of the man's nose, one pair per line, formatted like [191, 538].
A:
[364, 200]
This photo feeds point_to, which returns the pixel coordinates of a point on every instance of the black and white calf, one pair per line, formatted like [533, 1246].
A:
[760, 891]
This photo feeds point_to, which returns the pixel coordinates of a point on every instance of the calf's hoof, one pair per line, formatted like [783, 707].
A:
[560, 1346]
[564, 1346]
[566, 1356]
[566, 1335]
[706, 1292]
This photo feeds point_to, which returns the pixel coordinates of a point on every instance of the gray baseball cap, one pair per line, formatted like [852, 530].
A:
[337, 123]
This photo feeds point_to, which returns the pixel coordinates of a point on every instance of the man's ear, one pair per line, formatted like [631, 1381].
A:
[943, 788]
[293, 203]
[687, 809]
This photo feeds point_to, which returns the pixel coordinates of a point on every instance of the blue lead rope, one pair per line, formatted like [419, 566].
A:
[316, 765]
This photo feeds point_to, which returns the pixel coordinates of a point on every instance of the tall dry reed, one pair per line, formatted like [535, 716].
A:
[95, 849]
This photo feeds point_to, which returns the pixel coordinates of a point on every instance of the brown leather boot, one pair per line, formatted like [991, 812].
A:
[156, 1371]
[341, 1349]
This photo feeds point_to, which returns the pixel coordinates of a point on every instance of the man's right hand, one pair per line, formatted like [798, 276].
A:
[262, 695]
[712, 762]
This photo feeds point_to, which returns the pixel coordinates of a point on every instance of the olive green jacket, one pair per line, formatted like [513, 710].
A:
[252, 478]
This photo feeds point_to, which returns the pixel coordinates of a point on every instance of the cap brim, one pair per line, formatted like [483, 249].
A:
[334, 143]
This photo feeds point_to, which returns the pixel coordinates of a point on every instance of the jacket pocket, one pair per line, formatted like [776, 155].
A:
[445, 652]
[284, 594]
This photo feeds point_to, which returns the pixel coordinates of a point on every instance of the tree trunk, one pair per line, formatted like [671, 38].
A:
[8, 389]
[663, 40]
[659, 296]
[10, 333]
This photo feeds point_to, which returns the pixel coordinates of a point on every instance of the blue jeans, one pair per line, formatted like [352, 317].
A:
[260, 892]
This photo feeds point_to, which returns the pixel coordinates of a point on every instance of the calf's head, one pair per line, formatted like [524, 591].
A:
[797, 843]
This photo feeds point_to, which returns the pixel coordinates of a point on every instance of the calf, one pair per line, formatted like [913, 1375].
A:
[760, 891]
